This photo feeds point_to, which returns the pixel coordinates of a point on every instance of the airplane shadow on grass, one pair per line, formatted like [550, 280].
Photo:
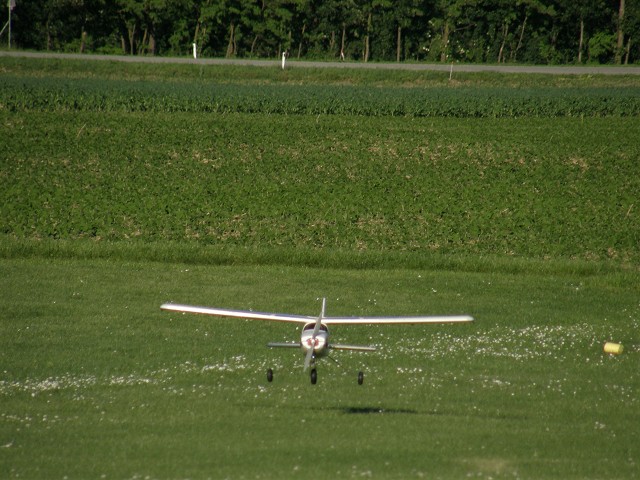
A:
[373, 410]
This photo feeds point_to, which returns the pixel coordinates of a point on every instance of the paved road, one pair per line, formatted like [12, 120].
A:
[554, 70]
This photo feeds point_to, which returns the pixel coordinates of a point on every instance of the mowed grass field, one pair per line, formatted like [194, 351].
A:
[528, 223]
[97, 382]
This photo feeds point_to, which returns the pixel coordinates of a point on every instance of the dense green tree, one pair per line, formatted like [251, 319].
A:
[451, 17]
[130, 20]
[332, 26]
[531, 31]
[632, 30]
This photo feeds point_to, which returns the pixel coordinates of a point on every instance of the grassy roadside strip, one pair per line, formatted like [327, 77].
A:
[248, 75]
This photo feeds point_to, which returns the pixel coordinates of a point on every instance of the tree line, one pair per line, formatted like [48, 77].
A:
[479, 31]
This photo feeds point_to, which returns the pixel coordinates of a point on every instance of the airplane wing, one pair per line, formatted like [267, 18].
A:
[222, 312]
[283, 317]
[397, 320]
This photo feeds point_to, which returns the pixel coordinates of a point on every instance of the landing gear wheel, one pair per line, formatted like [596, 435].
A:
[269, 375]
[314, 376]
[360, 378]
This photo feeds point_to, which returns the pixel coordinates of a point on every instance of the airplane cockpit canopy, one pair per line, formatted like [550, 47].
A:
[311, 326]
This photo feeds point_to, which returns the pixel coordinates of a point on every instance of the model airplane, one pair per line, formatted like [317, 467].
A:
[314, 339]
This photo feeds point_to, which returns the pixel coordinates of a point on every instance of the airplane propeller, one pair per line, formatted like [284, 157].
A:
[311, 352]
[308, 358]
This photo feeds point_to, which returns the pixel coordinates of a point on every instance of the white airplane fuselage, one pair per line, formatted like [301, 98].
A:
[319, 344]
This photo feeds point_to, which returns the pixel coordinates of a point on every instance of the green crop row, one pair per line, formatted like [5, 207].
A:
[525, 187]
[103, 95]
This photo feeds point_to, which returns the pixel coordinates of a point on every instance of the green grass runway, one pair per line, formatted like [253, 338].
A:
[97, 382]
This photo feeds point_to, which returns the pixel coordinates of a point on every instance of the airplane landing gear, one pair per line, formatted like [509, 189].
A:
[313, 376]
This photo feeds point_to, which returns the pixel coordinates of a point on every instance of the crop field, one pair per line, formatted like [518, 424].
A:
[510, 198]
[64, 94]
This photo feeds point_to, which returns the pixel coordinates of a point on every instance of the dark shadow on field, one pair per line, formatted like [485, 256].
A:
[373, 410]
[370, 410]
[379, 411]
[350, 410]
